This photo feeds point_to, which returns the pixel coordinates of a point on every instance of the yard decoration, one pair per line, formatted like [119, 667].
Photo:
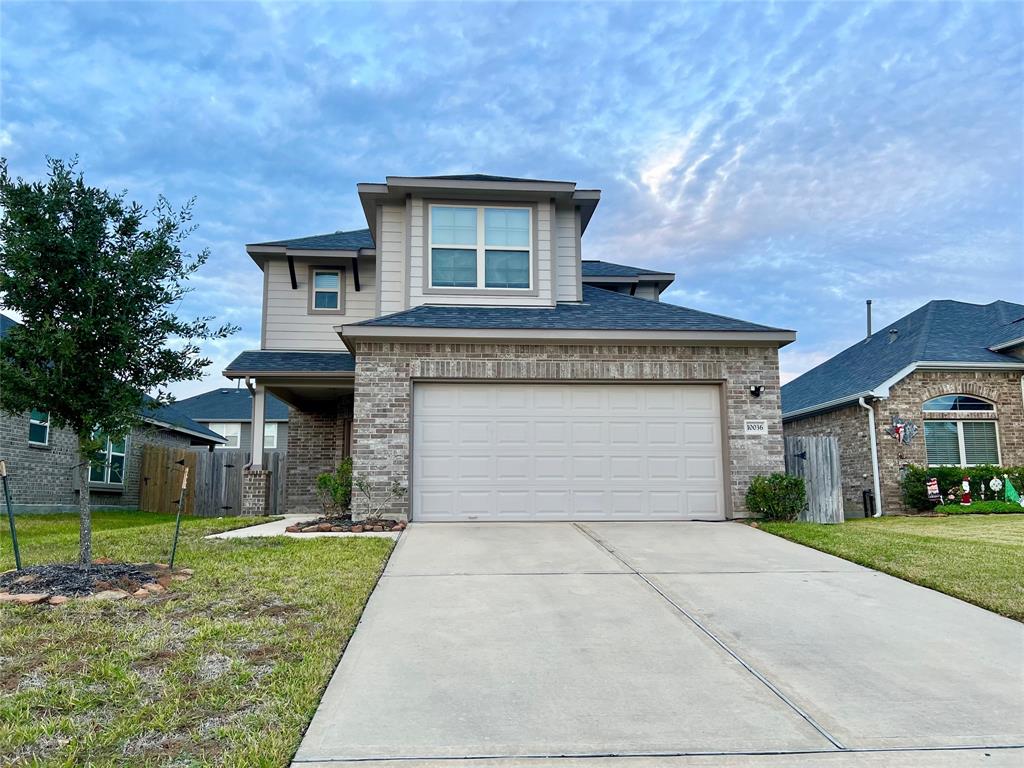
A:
[965, 496]
[94, 340]
[933, 490]
[10, 514]
[902, 431]
[1011, 493]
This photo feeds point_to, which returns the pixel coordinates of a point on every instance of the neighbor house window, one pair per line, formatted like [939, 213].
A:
[109, 461]
[39, 428]
[480, 247]
[963, 443]
[325, 290]
[270, 436]
[231, 431]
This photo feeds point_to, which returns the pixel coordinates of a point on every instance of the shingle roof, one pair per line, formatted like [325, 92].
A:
[227, 404]
[165, 414]
[599, 310]
[940, 331]
[352, 240]
[266, 361]
[593, 268]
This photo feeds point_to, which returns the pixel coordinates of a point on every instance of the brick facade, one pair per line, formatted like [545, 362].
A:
[385, 371]
[41, 478]
[318, 439]
[905, 401]
[256, 492]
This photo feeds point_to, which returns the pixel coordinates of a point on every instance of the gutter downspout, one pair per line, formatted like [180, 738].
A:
[874, 457]
[252, 394]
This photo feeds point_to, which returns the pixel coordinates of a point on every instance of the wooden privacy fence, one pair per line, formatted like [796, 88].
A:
[816, 460]
[214, 486]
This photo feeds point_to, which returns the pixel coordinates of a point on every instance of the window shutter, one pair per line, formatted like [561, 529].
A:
[941, 442]
[980, 442]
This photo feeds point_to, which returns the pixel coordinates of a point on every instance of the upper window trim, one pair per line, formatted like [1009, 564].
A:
[31, 421]
[481, 248]
[311, 308]
[218, 427]
[990, 406]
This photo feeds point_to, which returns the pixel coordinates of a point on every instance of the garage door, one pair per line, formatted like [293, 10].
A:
[566, 452]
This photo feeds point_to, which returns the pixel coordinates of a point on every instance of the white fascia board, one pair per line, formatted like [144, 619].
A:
[545, 335]
[406, 182]
[881, 392]
[1007, 344]
[183, 430]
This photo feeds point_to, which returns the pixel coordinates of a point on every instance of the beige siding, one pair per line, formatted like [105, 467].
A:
[288, 324]
[567, 260]
[391, 253]
[417, 274]
[648, 291]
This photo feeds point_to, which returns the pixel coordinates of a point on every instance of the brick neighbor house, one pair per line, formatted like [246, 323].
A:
[461, 348]
[42, 459]
[228, 412]
[952, 373]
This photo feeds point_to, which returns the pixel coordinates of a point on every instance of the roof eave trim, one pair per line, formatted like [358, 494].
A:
[183, 430]
[410, 182]
[240, 374]
[545, 335]
[831, 405]
[1007, 344]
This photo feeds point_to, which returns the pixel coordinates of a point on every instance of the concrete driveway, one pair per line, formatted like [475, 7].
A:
[668, 644]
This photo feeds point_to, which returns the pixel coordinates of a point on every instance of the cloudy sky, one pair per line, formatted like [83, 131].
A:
[786, 161]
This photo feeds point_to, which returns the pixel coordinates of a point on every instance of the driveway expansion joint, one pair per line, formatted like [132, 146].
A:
[716, 639]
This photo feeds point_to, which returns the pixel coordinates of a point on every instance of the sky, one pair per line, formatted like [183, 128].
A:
[787, 161]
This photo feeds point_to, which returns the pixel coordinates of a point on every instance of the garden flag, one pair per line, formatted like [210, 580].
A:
[1011, 493]
[933, 490]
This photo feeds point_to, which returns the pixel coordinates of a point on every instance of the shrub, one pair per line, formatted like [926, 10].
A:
[915, 479]
[335, 488]
[777, 496]
[983, 508]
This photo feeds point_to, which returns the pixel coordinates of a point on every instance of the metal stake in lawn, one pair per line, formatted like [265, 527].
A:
[177, 521]
[10, 514]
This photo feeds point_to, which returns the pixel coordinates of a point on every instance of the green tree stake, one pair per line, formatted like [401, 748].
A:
[10, 514]
[177, 521]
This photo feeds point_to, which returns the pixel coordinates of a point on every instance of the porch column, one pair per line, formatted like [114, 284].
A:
[258, 409]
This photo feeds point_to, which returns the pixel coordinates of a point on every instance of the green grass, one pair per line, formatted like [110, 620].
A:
[226, 669]
[978, 558]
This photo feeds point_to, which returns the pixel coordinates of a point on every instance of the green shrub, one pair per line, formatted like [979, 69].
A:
[915, 479]
[335, 489]
[777, 496]
[983, 508]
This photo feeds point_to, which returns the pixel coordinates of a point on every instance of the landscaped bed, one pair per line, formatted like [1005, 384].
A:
[978, 558]
[224, 669]
[345, 524]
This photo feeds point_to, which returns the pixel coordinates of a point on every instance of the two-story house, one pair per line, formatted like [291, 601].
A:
[461, 348]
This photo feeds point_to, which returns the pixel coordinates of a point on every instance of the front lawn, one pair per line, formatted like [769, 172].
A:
[978, 558]
[225, 669]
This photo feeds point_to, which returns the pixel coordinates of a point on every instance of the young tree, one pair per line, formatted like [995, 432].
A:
[97, 280]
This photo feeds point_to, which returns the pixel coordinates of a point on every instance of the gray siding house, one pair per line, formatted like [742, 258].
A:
[228, 412]
[461, 348]
[42, 459]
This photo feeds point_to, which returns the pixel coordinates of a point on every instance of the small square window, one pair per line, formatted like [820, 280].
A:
[326, 289]
[453, 267]
[508, 269]
[39, 428]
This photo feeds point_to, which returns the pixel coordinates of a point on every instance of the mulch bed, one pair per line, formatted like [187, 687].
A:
[346, 525]
[56, 583]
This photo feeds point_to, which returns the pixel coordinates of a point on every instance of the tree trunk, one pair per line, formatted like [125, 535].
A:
[84, 515]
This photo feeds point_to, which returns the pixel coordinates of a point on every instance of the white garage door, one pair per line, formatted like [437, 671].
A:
[567, 452]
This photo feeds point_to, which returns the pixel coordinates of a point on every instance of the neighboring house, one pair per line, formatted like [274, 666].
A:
[42, 459]
[228, 412]
[462, 349]
[952, 373]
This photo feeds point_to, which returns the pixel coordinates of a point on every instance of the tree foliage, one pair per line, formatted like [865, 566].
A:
[97, 280]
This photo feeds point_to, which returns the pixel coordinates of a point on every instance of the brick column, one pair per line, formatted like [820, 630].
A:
[256, 492]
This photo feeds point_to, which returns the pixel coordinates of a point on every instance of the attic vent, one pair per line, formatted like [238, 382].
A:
[893, 333]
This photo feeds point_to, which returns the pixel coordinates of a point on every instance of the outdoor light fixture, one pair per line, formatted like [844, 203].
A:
[756, 390]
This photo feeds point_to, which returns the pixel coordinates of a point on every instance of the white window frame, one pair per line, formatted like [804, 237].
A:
[38, 423]
[222, 428]
[270, 428]
[108, 452]
[960, 438]
[481, 247]
[338, 272]
[991, 410]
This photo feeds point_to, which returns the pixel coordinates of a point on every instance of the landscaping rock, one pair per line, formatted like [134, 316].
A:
[357, 529]
[102, 561]
[324, 527]
[28, 578]
[155, 588]
[24, 598]
[293, 529]
[141, 592]
[337, 529]
[310, 529]
[110, 594]
[58, 600]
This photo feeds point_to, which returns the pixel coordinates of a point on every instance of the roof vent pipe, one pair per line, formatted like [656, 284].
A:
[893, 333]
[869, 318]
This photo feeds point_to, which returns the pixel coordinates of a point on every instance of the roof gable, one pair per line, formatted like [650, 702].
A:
[352, 240]
[594, 268]
[229, 404]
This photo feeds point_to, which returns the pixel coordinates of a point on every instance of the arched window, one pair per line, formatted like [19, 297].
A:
[958, 403]
[963, 443]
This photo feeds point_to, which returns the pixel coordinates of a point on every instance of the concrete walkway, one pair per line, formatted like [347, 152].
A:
[668, 644]
[277, 528]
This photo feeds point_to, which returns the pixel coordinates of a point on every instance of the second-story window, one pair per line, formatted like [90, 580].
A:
[480, 247]
[326, 290]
